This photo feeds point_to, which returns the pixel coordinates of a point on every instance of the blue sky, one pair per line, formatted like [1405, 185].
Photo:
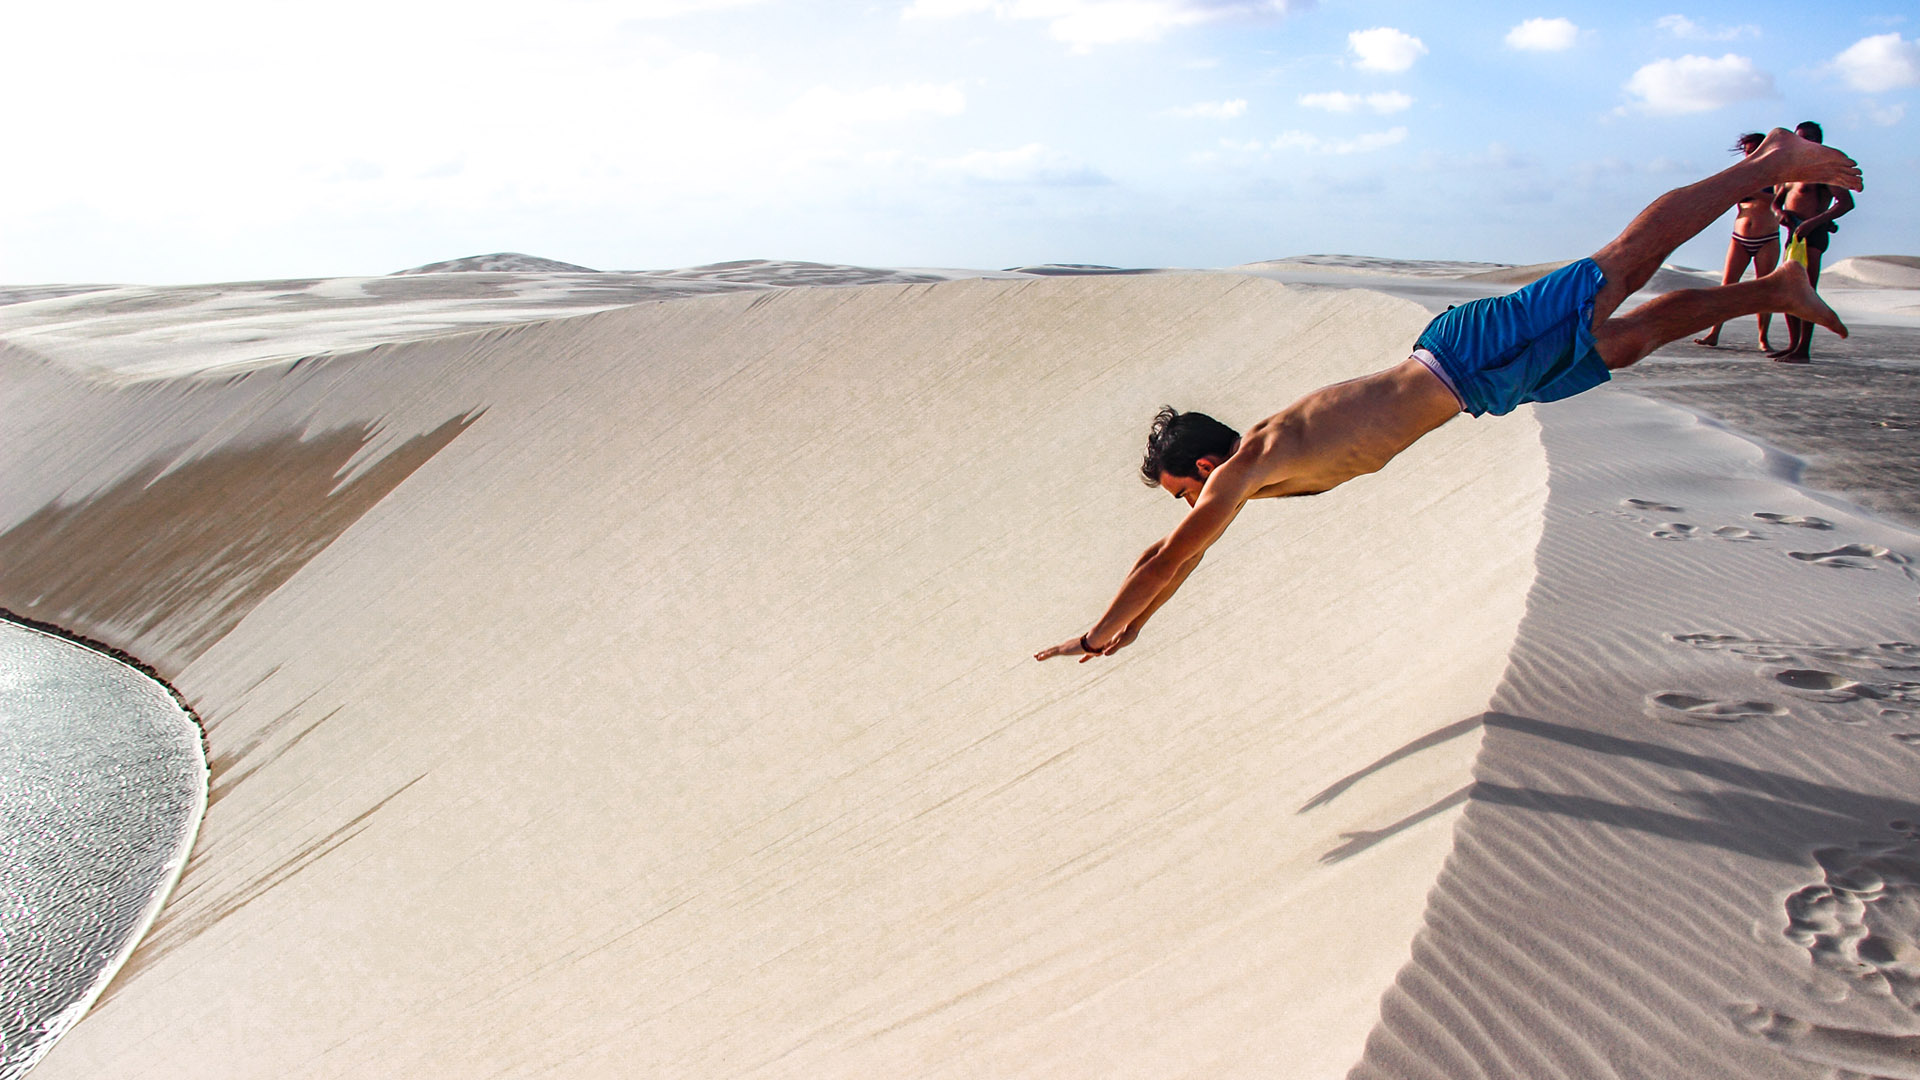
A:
[226, 140]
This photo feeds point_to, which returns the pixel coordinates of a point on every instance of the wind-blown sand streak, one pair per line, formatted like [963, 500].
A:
[650, 695]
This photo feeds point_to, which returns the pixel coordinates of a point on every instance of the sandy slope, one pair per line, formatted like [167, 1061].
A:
[648, 693]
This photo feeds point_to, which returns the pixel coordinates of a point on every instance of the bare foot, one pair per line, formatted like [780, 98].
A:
[1766, 346]
[1789, 358]
[1796, 160]
[1710, 341]
[1794, 291]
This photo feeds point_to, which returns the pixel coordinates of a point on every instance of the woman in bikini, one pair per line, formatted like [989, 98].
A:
[1756, 240]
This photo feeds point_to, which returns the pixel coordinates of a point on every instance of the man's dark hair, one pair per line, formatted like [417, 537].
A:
[1746, 144]
[1807, 129]
[1178, 440]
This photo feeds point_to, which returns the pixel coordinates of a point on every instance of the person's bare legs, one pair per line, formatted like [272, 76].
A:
[1625, 339]
[1737, 259]
[1799, 331]
[1630, 260]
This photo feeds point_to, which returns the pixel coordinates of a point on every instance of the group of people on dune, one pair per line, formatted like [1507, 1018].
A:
[1808, 211]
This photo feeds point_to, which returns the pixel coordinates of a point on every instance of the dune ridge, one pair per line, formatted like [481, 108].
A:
[669, 710]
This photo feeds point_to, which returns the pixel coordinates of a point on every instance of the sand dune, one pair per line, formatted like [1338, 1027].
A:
[1375, 266]
[648, 692]
[138, 332]
[1885, 271]
[645, 692]
[498, 262]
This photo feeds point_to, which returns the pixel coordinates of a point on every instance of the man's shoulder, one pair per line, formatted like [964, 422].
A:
[1267, 455]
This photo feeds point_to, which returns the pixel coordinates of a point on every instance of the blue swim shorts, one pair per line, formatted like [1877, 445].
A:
[1535, 344]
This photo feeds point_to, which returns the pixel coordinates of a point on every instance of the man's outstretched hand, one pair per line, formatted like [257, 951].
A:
[1065, 648]
[1074, 648]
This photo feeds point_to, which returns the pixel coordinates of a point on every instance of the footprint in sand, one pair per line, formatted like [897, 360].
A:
[1858, 1054]
[1908, 738]
[1694, 711]
[1680, 530]
[1861, 922]
[1883, 656]
[1797, 521]
[1826, 685]
[1765, 652]
[1651, 507]
[1850, 556]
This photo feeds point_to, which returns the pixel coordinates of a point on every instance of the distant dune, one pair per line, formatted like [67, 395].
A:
[511, 262]
[1373, 265]
[1884, 271]
[1075, 270]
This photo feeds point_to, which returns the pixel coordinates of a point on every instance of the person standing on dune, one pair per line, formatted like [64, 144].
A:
[1808, 209]
[1547, 341]
[1756, 240]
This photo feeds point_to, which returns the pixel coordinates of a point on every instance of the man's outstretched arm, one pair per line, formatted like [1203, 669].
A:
[1162, 569]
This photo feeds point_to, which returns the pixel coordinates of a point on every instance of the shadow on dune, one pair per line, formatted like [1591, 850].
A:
[1723, 819]
[186, 551]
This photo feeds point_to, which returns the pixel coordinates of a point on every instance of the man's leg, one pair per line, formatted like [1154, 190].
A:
[1630, 260]
[1763, 264]
[1624, 339]
[1800, 337]
[1737, 259]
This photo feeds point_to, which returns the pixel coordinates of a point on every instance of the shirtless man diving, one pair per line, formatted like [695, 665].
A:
[1551, 339]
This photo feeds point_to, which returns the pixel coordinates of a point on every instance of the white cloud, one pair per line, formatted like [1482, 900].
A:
[1682, 27]
[1498, 157]
[1877, 64]
[1603, 169]
[673, 9]
[1033, 163]
[1543, 35]
[946, 9]
[879, 103]
[1887, 116]
[1385, 49]
[1391, 101]
[1693, 84]
[1362, 144]
[1210, 110]
[1083, 24]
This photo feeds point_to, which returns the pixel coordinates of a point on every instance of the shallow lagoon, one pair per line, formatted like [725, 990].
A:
[102, 784]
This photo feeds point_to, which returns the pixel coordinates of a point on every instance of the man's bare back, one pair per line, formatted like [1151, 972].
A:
[1336, 433]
